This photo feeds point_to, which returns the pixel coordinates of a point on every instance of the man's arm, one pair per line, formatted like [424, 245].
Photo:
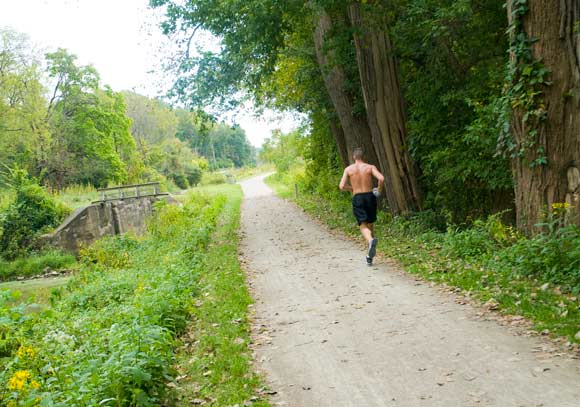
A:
[342, 184]
[380, 178]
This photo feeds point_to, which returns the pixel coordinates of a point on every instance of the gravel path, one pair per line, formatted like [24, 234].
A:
[330, 331]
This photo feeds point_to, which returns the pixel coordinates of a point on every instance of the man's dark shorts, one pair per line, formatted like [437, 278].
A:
[364, 207]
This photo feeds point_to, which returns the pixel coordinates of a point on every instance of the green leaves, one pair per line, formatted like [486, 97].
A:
[92, 143]
[31, 213]
[109, 339]
[249, 36]
[526, 76]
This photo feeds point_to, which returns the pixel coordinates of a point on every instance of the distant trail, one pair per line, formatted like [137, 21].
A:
[331, 331]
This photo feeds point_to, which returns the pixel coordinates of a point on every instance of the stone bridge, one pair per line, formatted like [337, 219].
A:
[120, 210]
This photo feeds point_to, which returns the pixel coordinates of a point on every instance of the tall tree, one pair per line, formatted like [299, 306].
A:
[23, 132]
[90, 131]
[379, 76]
[354, 131]
[544, 96]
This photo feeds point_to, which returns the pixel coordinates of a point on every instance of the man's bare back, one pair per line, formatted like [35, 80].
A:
[360, 175]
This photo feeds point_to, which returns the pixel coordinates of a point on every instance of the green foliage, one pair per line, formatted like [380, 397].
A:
[482, 238]
[11, 319]
[283, 150]
[180, 181]
[91, 139]
[526, 79]
[452, 55]
[193, 174]
[35, 264]
[23, 130]
[76, 196]
[251, 34]
[552, 255]
[113, 328]
[31, 213]
[214, 357]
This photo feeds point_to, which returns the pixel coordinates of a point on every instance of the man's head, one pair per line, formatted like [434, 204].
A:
[358, 154]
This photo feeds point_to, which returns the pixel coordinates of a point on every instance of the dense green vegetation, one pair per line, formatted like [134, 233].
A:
[63, 134]
[214, 355]
[109, 335]
[451, 56]
[76, 131]
[456, 102]
[31, 213]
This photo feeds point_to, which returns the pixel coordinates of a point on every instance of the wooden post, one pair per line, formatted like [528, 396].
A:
[296, 191]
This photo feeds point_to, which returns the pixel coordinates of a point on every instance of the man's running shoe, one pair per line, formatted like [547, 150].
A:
[369, 261]
[372, 249]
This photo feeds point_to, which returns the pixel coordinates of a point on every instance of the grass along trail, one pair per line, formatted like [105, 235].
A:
[214, 359]
[331, 331]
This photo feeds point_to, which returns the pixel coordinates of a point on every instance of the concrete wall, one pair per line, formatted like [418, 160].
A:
[88, 224]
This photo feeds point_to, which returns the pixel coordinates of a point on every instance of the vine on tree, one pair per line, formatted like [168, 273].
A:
[525, 77]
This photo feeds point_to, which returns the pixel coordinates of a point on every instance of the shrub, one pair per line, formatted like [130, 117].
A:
[193, 175]
[180, 181]
[482, 238]
[553, 255]
[31, 213]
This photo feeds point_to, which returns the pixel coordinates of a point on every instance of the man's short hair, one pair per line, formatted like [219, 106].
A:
[358, 153]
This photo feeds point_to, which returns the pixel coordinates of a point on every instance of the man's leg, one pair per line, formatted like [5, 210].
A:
[372, 243]
[366, 230]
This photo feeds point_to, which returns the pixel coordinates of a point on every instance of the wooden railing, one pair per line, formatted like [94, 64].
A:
[130, 191]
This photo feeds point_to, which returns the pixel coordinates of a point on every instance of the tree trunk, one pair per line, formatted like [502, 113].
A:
[355, 129]
[384, 105]
[339, 137]
[552, 23]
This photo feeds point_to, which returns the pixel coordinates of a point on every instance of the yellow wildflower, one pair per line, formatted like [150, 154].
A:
[35, 385]
[18, 380]
[561, 205]
[25, 351]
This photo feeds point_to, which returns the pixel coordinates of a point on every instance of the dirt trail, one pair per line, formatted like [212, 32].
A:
[331, 331]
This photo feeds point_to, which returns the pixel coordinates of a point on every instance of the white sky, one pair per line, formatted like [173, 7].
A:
[121, 39]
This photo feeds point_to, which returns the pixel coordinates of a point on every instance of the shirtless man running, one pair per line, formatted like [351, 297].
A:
[364, 197]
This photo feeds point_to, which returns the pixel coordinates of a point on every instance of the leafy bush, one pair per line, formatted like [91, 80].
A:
[35, 264]
[193, 175]
[180, 181]
[108, 340]
[31, 213]
[482, 238]
[552, 256]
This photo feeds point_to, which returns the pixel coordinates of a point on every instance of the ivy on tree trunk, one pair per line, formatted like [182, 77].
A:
[545, 114]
